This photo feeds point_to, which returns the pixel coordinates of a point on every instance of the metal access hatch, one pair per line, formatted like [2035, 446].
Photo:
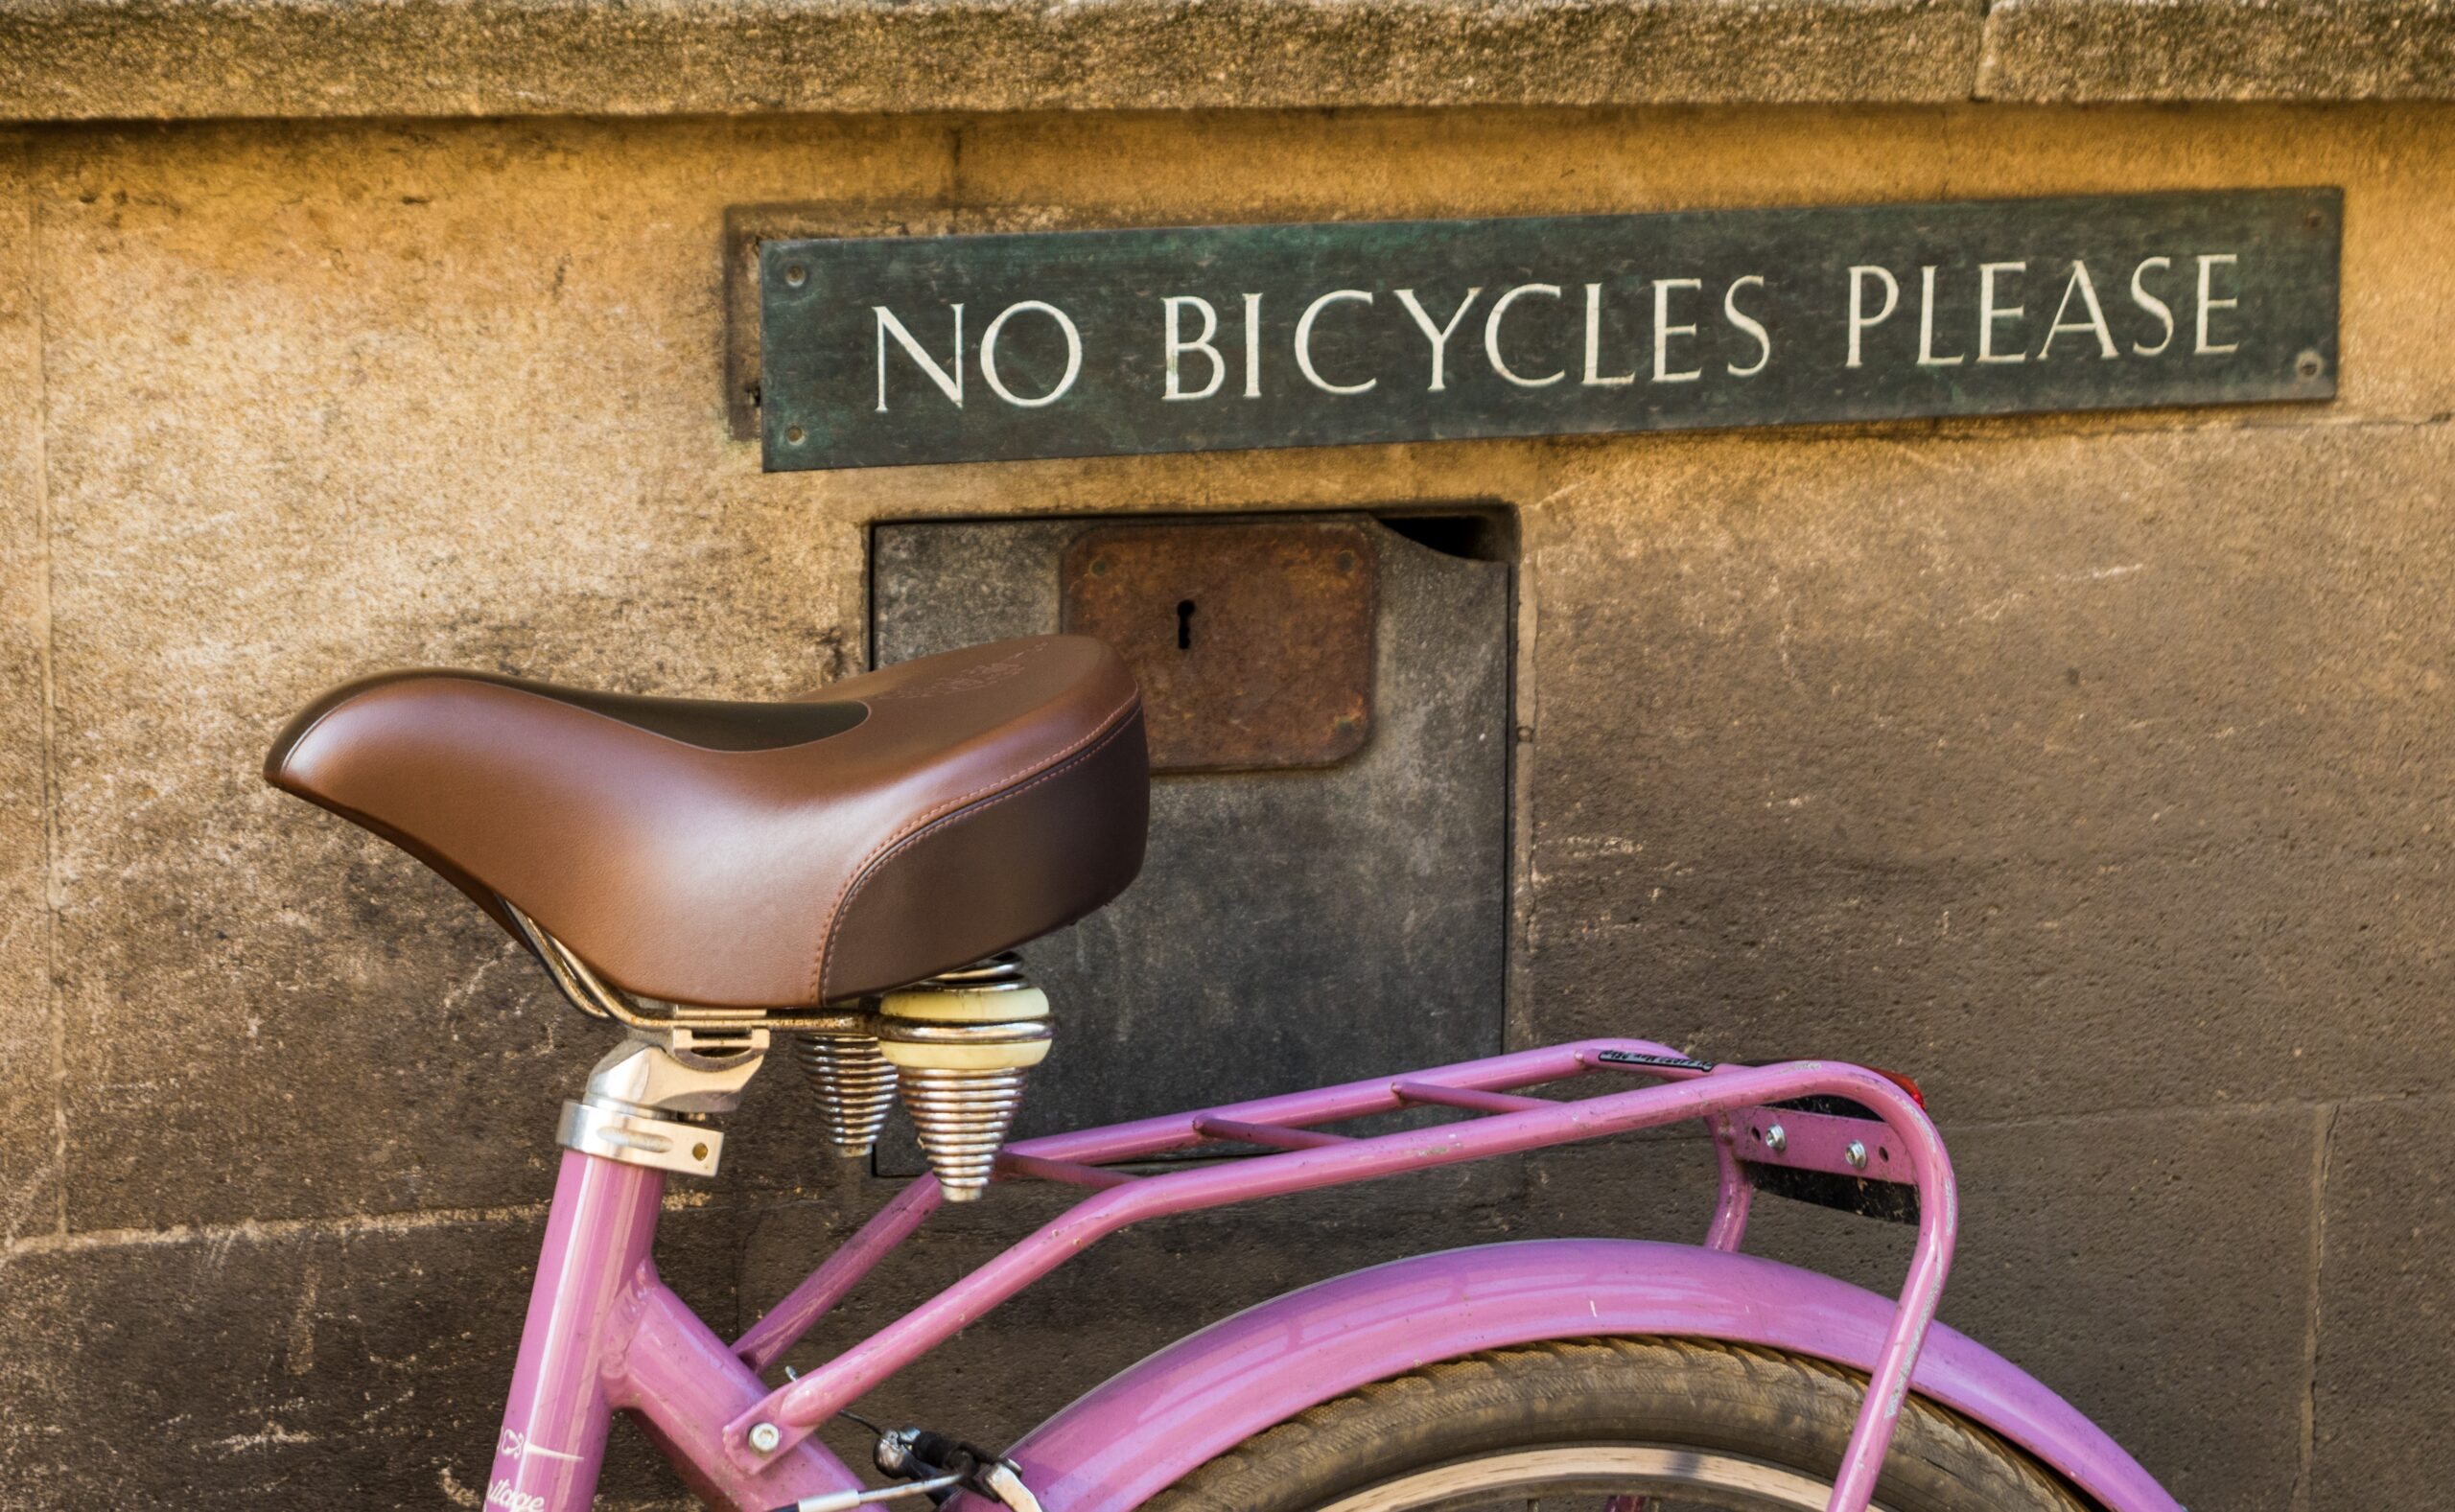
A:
[1328, 701]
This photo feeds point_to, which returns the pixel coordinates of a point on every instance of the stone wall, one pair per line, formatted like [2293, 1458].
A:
[2091, 768]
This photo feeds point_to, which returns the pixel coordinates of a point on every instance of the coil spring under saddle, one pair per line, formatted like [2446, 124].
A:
[961, 1046]
[855, 1085]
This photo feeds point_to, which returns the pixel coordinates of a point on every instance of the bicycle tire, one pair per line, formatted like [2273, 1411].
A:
[1608, 1401]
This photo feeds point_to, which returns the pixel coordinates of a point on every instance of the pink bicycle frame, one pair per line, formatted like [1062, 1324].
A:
[604, 1334]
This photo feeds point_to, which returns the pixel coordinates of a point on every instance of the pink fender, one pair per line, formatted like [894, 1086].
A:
[1146, 1428]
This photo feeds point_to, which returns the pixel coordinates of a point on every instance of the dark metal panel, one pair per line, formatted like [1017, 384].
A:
[1291, 927]
[888, 350]
[1253, 641]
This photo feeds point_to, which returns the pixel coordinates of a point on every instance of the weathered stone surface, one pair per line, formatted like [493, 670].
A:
[270, 1014]
[90, 59]
[2009, 762]
[319, 400]
[2106, 50]
[2153, 1269]
[79, 59]
[29, 1192]
[2380, 1418]
[359, 1366]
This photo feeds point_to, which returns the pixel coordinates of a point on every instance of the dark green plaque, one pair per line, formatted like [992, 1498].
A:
[888, 350]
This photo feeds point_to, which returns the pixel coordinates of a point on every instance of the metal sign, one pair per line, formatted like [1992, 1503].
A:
[890, 350]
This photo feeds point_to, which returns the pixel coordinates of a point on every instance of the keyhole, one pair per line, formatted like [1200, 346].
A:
[1185, 624]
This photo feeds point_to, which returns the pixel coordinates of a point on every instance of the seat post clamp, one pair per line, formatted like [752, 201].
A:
[649, 1101]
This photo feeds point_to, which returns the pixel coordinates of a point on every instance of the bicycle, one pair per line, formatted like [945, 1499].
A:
[852, 870]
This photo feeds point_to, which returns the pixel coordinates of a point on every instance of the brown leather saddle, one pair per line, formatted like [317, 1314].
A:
[893, 825]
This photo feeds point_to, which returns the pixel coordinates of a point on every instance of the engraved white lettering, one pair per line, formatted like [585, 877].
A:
[1304, 342]
[2207, 304]
[989, 354]
[1859, 320]
[1927, 356]
[2095, 324]
[1253, 346]
[1594, 378]
[1177, 346]
[1439, 335]
[1990, 313]
[1491, 335]
[950, 383]
[1663, 330]
[2163, 311]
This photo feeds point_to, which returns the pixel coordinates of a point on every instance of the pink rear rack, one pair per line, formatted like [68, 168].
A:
[1733, 1099]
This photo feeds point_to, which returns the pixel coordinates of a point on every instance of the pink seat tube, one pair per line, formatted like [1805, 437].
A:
[597, 1239]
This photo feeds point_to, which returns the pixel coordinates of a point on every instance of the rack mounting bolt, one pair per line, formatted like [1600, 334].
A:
[1856, 1156]
[764, 1437]
[1777, 1139]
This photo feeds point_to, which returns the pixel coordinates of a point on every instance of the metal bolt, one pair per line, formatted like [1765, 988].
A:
[1099, 567]
[764, 1437]
[1856, 1156]
[796, 275]
[1777, 1139]
[1347, 561]
[793, 436]
[2309, 364]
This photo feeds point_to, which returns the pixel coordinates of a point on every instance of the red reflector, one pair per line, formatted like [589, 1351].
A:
[1903, 1083]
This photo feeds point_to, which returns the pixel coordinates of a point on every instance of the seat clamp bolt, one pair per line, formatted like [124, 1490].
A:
[764, 1437]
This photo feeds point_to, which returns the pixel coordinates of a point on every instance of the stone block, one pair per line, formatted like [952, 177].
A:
[2013, 764]
[2109, 50]
[30, 1191]
[73, 60]
[267, 1013]
[2382, 1412]
[2153, 1269]
[359, 1366]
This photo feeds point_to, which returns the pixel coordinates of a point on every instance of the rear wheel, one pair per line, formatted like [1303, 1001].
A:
[1610, 1425]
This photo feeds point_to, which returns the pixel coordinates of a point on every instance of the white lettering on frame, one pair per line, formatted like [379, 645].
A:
[1176, 346]
[1253, 346]
[1491, 335]
[2163, 311]
[1989, 314]
[1594, 378]
[1663, 330]
[989, 354]
[950, 383]
[2208, 304]
[1439, 335]
[1927, 356]
[1304, 342]
[1741, 320]
[1861, 323]
[2094, 325]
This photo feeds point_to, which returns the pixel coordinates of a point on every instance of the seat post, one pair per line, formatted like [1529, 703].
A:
[646, 1114]
[598, 1238]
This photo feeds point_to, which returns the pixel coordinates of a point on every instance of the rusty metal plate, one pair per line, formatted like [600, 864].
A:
[1253, 642]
